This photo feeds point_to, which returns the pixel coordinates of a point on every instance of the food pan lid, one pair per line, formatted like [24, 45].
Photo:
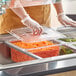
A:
[25, 35]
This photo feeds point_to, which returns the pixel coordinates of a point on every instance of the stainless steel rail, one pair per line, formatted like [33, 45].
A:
[38, 61]
[22, 50]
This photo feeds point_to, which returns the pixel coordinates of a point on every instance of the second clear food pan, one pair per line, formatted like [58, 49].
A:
[68, 31]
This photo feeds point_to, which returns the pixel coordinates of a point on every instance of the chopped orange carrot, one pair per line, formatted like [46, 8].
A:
[17, 56]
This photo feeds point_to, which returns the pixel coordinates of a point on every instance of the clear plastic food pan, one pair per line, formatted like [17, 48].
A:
[69, 32]
[25, 35]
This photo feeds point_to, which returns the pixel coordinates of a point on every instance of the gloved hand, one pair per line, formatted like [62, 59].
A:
[66, 20]
[26, 20]
[36, 28]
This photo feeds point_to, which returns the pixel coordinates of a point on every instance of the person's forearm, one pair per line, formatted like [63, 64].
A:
[19, 10]
[58, 6]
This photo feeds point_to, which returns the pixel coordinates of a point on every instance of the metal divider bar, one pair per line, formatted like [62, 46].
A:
[22, 50]
[67, 44]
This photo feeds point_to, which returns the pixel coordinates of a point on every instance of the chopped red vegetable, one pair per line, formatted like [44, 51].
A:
[17, 56]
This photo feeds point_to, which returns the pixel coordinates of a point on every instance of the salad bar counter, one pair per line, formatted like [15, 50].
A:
[51, 56]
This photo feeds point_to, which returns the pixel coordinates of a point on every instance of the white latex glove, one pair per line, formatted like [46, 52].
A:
[26, 20]
[66, 20]
[37, 29]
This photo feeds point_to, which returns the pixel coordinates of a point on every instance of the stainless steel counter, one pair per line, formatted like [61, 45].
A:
[48, 68]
